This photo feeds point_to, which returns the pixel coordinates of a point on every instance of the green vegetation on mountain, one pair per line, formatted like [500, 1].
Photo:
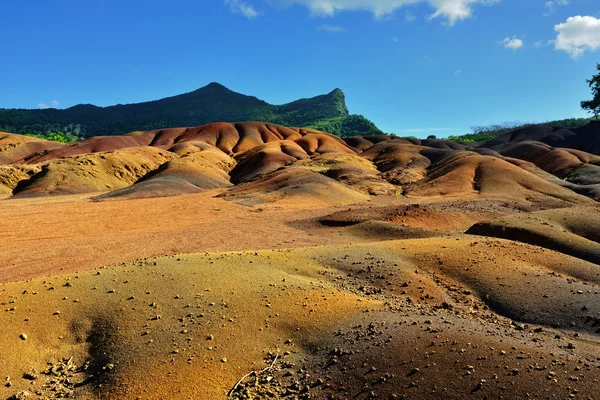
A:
[212, 103]
[55, 136]
[348, 125]
[488, 132]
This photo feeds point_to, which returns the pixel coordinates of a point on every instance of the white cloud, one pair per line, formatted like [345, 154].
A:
[409, 17]
[451, 10]
[457, 72]
[331, 28]
[513, 43]
[543, 43]
[53, 104]
[578, 35]
[242, 7]
[551, 5]
[395, 39]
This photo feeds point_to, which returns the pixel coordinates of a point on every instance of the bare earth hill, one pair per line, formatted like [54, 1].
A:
[583, 138]
[252, 260]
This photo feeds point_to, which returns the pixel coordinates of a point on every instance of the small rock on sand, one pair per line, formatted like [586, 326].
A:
[21, 395]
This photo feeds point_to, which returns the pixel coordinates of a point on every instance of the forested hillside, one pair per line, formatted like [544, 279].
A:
[211, 103]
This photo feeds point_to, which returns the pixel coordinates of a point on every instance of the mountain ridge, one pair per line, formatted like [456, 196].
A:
[211, 103]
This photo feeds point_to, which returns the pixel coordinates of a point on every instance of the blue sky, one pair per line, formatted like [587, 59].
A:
[411, 66]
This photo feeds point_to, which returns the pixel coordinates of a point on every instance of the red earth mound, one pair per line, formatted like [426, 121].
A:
[586, 138]
[96, 172]
[572, 231]
[191, 173]
[253, 153]
[490, 177]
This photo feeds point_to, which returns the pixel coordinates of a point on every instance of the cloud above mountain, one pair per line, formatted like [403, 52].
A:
[552, 5]
[451, 10]
[577, 35]
[53, 104]
[513, 43]
[243, 8]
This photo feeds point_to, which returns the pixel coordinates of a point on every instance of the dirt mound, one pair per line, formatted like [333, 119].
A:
[92, 145]
[321, 143]
[12, 175]
[558, 160]
[14, 148]
[443, 144]
[527, 150]
[97, 172]
[230, 138]
[579, 171]
[553, 160]
[585, 138]
[334, 177]
[571, 231]
[12, 138]
[399, 162]
[455, 216]
[353, 171]
[476, 176]
[293, 187]
[260, 149]
[384, 230]
[265, 159]
[362, 143]
[236, 138]
[191, 173]
[535, 133]
[375, 165]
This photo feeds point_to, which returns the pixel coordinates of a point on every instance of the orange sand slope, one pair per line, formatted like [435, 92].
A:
[379, 320]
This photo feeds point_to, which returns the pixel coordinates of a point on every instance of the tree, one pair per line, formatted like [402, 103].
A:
[55, 136]
[593, 105]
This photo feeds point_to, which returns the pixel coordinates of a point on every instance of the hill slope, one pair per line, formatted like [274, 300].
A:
[212, 103]
[263, 163]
